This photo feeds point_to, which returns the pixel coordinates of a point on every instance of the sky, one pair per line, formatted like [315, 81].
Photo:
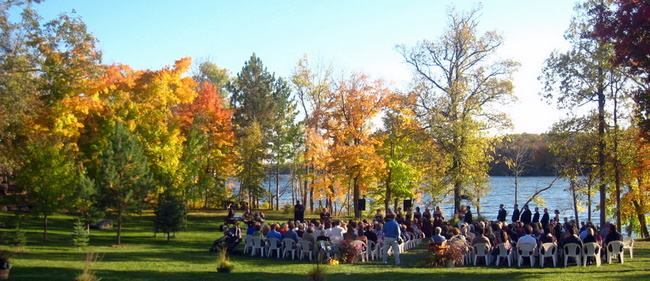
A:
[354, 36]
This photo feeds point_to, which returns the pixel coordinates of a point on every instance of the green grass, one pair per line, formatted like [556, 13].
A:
[143, 257]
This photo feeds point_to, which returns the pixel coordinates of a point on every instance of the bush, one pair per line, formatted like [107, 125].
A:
[287, 209]
[18, 237]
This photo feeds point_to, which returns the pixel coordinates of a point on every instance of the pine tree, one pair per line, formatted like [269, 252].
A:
[80, 236]
[170, 215]
[124, 182]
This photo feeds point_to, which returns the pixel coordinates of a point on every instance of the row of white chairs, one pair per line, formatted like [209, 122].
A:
[615, 249]
[322, 249]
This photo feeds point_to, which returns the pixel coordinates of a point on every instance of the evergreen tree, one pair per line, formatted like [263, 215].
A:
[124, 182]
[80, 236]
[170, 215]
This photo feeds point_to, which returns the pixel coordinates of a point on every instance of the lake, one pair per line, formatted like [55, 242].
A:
[502, 192]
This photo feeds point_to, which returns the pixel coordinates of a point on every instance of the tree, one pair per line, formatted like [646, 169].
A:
[257, 97]
[585, 74]
[399, 140]
[209, 155]
[457, 84]
[124, 181]
[626, 28]
[347, 116]
[170, 215]
[48, 177]
[311, 84]
[43, 64]
[572, 141]
[210, 72]
[517, 160]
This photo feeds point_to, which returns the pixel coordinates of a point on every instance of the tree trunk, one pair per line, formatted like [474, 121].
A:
[601, 151]
[575, 201]
[44, 227]
[277, 186]
[388, 190]
[356, 195]
[119, 228]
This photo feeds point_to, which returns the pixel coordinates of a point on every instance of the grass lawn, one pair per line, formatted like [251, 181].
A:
[144, 257]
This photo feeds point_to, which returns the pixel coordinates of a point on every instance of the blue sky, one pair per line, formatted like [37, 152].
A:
[355, 36]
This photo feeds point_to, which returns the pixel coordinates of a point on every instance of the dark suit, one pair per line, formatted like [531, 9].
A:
[525, 216]
[536, 217]
[502, 215]
[515, 215]
[545, 219]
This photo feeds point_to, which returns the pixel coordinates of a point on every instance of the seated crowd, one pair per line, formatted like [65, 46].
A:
[334, 231]
[416, 225]
[517, 233]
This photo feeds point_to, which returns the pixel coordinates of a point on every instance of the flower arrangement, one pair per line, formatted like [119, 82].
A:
[349, 251]
[456, 251]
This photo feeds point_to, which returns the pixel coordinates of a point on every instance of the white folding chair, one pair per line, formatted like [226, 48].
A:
[306, 247]
[248, 243]
[504, 253]
[572, 250]
[628, 243]
[289, 246]
[548, 250]
[374, 250]
[591, 249]
[364, 252]
[525, 250]
[481, 250]
[258, 244]
[273, 244]
[615, 250]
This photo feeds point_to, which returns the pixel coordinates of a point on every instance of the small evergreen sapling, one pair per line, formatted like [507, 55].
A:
[80, 236]
[170, 215]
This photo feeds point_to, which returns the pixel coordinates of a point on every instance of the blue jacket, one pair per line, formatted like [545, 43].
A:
[391, 229]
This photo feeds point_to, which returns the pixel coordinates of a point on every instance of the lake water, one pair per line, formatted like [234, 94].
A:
[502, 192]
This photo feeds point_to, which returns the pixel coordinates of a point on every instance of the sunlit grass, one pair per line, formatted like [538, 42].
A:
[143, 257]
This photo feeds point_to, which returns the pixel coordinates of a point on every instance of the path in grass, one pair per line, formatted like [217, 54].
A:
[143, 257]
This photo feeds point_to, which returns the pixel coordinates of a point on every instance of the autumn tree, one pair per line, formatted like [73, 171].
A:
[43, 64]
[347, 116]
[124, 181]
[572, 141]
[399, 140]
[636, 177]
[585, 75]
[208, 151]
[311, 85]
[626, 28]
[459, 83]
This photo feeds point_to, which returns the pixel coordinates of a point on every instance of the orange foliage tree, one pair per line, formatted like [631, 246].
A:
[347, 120]
[209, 156]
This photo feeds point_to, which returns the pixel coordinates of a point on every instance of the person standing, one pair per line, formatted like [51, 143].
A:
[468, 216]
[502, 213]
[299, 212]
[325, 216]
[391, 232]
[515, 214]
[536, 215]
[545, 218]
[526, 215]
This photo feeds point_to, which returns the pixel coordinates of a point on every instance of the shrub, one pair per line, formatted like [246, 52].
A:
[287, 209]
